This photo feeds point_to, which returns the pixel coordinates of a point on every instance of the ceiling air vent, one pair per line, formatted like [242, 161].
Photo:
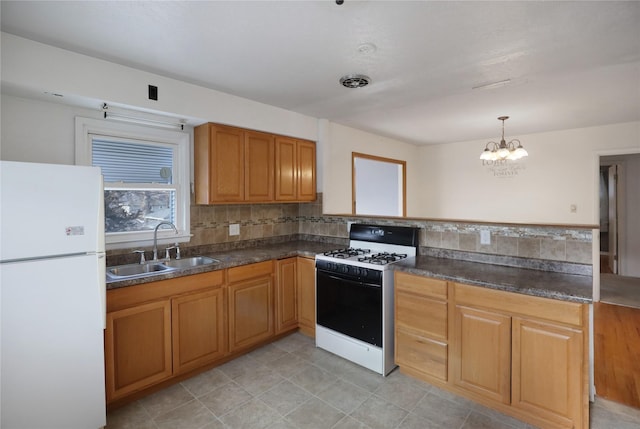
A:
[355, 80]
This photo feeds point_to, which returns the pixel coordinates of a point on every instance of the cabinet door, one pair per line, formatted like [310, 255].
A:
[306, 171]
[198, 333]
[286, 295]
[306, 283]
[227, 164]
[259, 160]
[286, 169]
[547, 369]
[481, 353]
[250, 312]
[137, 348]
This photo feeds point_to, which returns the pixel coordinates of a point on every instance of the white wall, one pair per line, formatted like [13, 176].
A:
[340, 143]
[630, 253]
[561, 170]
[38, 131]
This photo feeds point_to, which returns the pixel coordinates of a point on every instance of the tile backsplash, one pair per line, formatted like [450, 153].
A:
[537, 247]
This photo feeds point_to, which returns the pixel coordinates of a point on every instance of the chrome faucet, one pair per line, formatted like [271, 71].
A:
[155, 237]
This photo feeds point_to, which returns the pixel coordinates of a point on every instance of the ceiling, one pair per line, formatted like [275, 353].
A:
[568, 64]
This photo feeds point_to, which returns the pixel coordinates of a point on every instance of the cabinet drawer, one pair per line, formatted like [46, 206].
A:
[514, 303]
[422, 354]
[244, 272]
[421, 285]
[416, 313]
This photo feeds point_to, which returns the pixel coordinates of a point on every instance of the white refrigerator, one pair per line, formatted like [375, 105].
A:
[52, 297]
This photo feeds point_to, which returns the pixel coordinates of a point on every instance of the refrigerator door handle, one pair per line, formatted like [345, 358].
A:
[102, 284]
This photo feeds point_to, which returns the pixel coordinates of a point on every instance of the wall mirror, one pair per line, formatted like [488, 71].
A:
[378, 185]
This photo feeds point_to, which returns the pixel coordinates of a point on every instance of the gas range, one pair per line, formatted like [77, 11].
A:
[354, 294]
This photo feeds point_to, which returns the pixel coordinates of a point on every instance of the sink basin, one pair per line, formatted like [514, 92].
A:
[195, 261]
[137, 270]
[132, 271]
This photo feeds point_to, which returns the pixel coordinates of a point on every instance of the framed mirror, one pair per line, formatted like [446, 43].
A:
[378, 185]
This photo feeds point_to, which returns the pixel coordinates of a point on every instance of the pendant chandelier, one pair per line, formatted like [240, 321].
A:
[498, 151]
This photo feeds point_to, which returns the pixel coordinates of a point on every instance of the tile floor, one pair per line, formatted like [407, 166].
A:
[291, 384]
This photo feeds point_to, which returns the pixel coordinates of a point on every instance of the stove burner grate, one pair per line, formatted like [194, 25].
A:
[346, 253]
[382, 258]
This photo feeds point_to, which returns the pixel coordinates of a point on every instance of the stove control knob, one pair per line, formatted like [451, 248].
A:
[364, 272]
[344, 269]
[356, 271]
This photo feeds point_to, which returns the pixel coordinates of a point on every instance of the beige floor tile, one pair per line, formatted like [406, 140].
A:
[400, 393]
[442, 411]
[259, 380]
[166, 400]
[476, 420]
[344, 396]
[414, 421]
[254, 414]
[285, 397]
[313, 379]
[315, 414]
[225, 398]
[350, 423]
[192, 415]
[206, 382]
[132, 416]
[379, 414]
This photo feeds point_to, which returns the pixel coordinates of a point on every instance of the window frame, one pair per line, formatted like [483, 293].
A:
[87, 129]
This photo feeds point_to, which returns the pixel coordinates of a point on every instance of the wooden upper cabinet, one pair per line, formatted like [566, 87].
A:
[236, 165]
[295, 169]
[259, 158]
[286, 171]
[219, 164]
[306, 171]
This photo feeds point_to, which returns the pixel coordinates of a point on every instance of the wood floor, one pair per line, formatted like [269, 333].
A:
[617, 353]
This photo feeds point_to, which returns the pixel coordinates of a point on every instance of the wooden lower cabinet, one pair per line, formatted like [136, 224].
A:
[522, 355]
[251, 305]
[137, 348]
[199, 330]
[306, 295]
[286, 295]
[548, 371]
[481, 353]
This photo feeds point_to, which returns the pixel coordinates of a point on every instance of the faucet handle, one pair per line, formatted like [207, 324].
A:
[177, 246]
[167, 255]
[141, 252]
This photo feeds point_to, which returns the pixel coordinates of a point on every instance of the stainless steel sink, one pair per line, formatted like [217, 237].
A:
[194, 261]
[137, 270]
[132, 271]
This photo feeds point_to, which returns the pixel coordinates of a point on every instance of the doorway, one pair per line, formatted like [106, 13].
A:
[617, 315]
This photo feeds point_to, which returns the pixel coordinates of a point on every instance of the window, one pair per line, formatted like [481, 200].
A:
[378, 185]
[146, 182]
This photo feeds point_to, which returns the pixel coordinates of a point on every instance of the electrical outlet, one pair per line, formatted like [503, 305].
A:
[234, 229]
[485, 237]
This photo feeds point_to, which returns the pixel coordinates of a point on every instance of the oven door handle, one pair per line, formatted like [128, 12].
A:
[346, 278]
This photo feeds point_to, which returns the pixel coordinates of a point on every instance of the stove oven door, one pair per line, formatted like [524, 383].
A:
[349, 306]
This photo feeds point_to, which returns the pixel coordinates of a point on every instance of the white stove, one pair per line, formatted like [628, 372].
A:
[354, 294]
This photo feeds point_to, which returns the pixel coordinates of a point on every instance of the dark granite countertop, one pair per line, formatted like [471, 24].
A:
[234, 258]
[566, 287]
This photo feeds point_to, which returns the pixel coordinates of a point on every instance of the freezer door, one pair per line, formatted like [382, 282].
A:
[48, 209]
[52, 344]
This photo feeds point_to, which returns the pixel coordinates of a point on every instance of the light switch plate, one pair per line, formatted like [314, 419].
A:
[485, 237]
[234, 229]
